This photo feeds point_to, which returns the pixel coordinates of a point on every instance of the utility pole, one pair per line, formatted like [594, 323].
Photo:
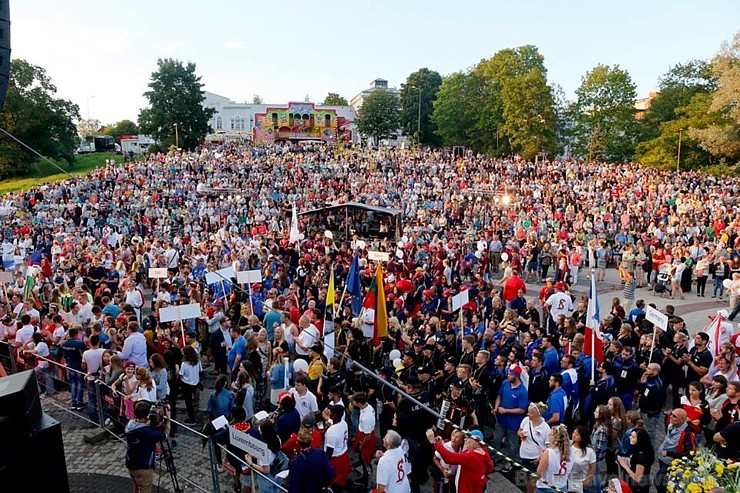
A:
[418, 119]
[177, 136]
[678, 158]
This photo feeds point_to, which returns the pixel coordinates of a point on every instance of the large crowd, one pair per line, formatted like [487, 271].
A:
[510, 368]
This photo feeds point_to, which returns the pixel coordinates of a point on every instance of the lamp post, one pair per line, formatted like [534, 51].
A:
[177, 136]
[418, 119]
[678, 157]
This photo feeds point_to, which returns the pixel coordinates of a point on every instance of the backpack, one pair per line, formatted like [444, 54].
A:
[279, 464]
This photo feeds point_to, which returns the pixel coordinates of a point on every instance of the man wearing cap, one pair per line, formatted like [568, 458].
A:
[474, 461]
[559, 303]
[511, 406]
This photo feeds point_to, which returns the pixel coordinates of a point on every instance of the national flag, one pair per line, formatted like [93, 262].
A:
[715, 336]
[593, 345]
[329, 319]
[28, 286]
[353, 285]
[35, 258]
[295, 235]
[375, 299]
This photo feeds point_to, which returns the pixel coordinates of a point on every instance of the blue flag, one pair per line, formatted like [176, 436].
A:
[353, 285]
[35, 258]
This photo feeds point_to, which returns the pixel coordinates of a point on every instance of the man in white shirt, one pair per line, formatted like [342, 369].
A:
[365, 437]
[23, 335]
[308, 336]
[134, 298]
[558, 303]
[26, 308]
[393, 468]
[42, 367]
[305, 400]
[335, 444]
[134, 347]
[92, 360]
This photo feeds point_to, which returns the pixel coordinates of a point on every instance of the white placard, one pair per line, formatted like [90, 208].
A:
[459, 300]
[223, 275]
[249, 444]
[381, 256]
[158, 273]
[249, 276]
[183, 312]
[7, 277]
[657, 318]
[220, 422]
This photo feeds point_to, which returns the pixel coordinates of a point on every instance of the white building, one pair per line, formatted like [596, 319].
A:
[236, 121]
[378, 85]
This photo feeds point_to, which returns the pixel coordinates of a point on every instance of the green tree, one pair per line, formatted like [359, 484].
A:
[455, 110]
[379, 116]
[176, 98]
[421, 87]
[87, 129]
[561, 106]
[604, 125]
[334, 99]
[123, 127]
[256, 99]
[722, 137]
[34, 115]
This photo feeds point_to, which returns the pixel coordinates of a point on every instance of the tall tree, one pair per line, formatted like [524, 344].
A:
[34, 115]
[334, 99]
[123, 127]
[722, 138]
[561, 106]
[176, 99]
[87, 129]
[604, 125]
[379, 116]
[417, 104]
[455, 110]
[256, 99]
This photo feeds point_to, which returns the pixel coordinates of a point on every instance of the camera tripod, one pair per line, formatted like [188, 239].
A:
[169, 462]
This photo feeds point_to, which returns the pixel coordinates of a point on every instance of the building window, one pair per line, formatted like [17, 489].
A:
[219, 123]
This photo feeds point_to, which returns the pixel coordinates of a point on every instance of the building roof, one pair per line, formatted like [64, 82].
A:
[356, 205]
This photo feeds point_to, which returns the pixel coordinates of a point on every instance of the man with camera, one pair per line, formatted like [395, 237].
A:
[142, 435]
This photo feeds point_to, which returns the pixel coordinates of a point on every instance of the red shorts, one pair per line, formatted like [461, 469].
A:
[342, 467]
[368, 450]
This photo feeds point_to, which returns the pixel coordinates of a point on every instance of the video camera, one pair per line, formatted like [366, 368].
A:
[157, 413]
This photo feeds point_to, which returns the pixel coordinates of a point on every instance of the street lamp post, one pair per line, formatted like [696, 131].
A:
[177, 136]
[418, 119]
[678, 157]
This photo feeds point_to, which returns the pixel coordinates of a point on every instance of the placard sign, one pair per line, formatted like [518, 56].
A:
[248, 443]
[223, 275]
[7, 277]
[182, 312]
[158, 273]
[657, 318]
[459, 300]
[249, 276]
[378, 256]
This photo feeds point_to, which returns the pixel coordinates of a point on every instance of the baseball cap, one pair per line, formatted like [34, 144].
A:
[560, 285]
[476, 434]
[515, 370]
[425, 369]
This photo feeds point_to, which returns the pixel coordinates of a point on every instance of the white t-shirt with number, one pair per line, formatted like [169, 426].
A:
[336, 438]
[392, 471]
[557, 471]
[367, 420]
[560, 304]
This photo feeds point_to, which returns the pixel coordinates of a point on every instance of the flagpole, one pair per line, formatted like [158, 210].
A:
[341, 299]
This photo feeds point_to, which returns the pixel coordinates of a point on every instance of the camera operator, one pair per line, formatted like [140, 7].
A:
[142, 436]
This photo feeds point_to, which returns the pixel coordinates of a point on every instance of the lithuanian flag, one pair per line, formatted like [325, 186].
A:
[375, 300]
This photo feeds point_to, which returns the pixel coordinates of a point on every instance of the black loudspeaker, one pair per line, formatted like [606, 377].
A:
[4, 49]
[20, 405]
[36, 462]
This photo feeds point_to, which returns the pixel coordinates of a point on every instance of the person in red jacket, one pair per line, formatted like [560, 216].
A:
[474, 461]
[512, 287]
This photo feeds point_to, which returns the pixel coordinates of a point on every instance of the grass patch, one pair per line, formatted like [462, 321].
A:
[46, 173]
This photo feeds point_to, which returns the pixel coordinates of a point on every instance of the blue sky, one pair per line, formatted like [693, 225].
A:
[100, 54]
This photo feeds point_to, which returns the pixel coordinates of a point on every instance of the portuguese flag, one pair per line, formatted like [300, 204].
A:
[375, 300]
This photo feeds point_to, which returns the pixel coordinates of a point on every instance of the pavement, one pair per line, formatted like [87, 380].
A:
[100, 467]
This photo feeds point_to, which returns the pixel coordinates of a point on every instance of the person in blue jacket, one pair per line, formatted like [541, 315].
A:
[142, 437]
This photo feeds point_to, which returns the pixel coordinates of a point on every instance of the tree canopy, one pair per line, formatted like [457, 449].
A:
[175, 99]
[34, 115]
[421, 87]
[334, 99]
[379, 116]
[123, 127]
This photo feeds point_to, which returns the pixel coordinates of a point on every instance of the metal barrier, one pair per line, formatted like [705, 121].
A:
[109, 410]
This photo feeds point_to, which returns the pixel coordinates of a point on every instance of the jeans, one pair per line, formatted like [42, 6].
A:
[652, 420]
[76, 389]
[512, 441]
[718, 286]
[48, 385]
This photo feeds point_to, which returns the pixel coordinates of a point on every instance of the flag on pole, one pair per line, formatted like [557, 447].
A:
[295, 235]
[375, 299]
[329, 319]
[593, 338]
[715, 335]
[353, 285]
[28, 286]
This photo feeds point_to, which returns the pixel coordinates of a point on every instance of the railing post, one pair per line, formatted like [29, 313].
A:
[99, 400]
[214, 463]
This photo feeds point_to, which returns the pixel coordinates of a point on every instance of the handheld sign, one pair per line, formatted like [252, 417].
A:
[381, 256]
[249, 276]
[248, 443]
[158, 273]
[656, 318]
[459, 300]
[182, 312]
[6, 277]
[222, 275]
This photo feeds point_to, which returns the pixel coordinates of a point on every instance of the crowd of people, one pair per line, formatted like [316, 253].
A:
[509, 368]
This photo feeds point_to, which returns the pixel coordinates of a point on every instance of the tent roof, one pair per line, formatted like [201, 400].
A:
[356, 205]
